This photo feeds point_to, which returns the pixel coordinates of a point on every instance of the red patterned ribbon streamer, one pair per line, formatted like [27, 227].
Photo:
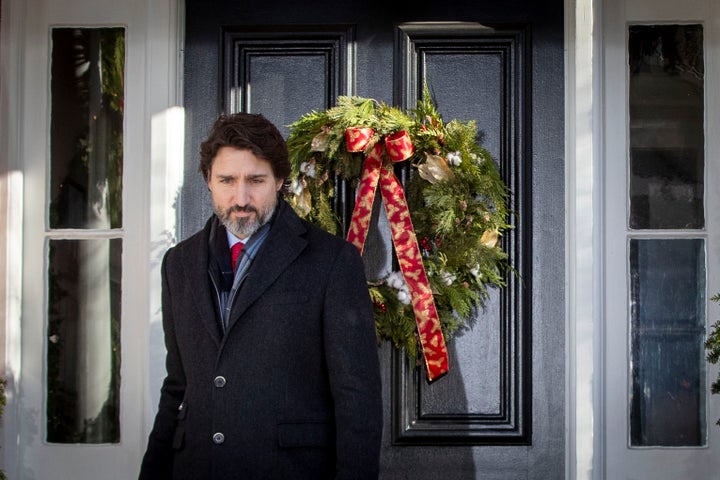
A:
[406, 247]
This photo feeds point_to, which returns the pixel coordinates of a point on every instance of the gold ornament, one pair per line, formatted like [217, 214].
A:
[320, 141]
[490, 238]
[435, 169]
[302, 202]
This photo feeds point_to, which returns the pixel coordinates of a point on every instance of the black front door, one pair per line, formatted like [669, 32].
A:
[499, 413]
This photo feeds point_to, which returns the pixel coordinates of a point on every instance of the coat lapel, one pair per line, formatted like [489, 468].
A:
[283, 245]
[195, 265]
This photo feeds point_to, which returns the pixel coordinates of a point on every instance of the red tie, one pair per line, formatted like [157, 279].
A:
[235, 253]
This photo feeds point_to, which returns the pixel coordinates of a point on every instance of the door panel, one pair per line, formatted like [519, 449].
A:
[508, 77]
[285, 72]
[491, 408]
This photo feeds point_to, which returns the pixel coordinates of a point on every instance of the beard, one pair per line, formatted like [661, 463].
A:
[243, 227]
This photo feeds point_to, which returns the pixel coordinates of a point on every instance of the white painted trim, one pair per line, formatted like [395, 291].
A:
[167, 175]
[11, 118]
[582, 242]
[165, 143]
[712, 204]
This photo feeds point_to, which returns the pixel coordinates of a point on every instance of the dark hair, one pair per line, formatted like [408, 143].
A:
[246, 131]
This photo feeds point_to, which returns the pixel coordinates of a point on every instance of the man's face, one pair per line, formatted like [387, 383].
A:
[244, 190]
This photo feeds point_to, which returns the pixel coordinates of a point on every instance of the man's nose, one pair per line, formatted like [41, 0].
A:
[241, 194]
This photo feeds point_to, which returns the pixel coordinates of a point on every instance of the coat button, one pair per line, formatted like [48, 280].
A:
[220, 381]
[218, 438]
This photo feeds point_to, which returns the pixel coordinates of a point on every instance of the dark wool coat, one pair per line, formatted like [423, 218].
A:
[292, 391]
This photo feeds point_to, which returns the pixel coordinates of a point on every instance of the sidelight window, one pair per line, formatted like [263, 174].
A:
[666, 236]
[84, 236]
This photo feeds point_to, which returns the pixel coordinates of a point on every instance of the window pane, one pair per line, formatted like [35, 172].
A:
[86, 137]
[667, 334]
[83, 359]
[666, 126]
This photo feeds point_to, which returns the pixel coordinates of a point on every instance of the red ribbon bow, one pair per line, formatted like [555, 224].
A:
[398, 147]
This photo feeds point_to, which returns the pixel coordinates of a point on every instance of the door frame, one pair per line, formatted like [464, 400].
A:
[583, 292]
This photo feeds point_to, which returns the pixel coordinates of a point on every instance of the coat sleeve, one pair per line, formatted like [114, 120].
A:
[351, 349]
[158, 459]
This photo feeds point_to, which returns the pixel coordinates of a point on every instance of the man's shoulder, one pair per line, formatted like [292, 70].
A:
[194, 242]
[313, 233]
[322, 236]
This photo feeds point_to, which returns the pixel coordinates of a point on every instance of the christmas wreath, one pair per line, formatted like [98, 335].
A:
[446, 223]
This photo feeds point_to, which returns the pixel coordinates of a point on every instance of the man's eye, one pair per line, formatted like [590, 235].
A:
[258, 180]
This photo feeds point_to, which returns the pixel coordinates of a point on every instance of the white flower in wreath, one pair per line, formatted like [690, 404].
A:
[447, 277]
[475, 272]
[478, 160]
[296, 187]
[454, 158]
[397, 281]
[404, 297]
[308, 168]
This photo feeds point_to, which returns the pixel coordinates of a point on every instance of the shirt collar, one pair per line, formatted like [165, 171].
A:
[232, 239]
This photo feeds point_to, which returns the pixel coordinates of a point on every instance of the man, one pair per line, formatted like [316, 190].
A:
[272, 365]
